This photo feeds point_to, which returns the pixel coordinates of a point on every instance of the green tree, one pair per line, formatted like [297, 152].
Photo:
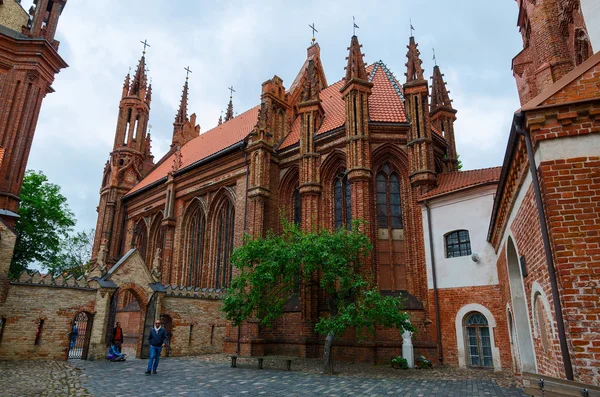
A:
[74, 255]
[268, 271]
[45, 219]
[460, 164]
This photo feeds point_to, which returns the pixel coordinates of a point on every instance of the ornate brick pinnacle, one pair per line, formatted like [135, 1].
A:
[356, 66]
[439, 93]
[414, 71]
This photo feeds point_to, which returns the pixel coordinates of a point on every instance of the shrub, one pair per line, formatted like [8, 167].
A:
[422, 363]
[399, 362]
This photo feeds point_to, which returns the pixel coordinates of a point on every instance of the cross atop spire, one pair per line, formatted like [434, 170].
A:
[414, 71]
[313, 32]
[231, 91]
[434, 59]
[354, 27]
[187, 74]
[356, 65]
[145, 43]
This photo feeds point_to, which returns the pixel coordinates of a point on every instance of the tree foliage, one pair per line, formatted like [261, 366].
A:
[74, 255]
[45, 220]
[270, 269]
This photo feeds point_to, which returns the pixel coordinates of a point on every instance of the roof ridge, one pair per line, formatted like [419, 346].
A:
[476, 169]
[392, 79]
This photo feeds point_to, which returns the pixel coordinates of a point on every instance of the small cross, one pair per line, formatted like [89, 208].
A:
[434, 60]
[314, 30]
[188, 71]
[145, 43]
[231, 92]
[354, 27]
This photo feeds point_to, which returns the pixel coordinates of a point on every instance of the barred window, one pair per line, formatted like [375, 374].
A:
[389, 211]
[342, 197]
[458, 244]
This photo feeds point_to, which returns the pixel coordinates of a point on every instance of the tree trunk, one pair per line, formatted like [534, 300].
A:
[328, 355]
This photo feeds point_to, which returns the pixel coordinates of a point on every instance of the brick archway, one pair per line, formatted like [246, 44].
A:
[132, 320]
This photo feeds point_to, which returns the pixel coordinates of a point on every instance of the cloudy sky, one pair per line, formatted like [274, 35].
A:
[243, 43]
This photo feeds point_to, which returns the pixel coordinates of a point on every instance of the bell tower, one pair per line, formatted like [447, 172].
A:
[130, 160]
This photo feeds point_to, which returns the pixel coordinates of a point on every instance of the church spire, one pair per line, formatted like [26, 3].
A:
[139, 83]
[356, 66]
[414, 71]
[229, 113]
[439, 93]
[182, 115]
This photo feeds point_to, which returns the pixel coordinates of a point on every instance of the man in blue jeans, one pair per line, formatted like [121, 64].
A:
[156, 340]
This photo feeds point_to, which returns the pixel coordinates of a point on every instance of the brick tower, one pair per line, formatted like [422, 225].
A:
[550, 49]
[28, 63]
[442, 118]
[420, 143]
[130, 160]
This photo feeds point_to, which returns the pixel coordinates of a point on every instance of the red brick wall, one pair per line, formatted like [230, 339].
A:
[57, 306]
[451, 300]
[572, 195]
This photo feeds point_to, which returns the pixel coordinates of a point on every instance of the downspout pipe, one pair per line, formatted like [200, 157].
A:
[436, 301]
[518, 121]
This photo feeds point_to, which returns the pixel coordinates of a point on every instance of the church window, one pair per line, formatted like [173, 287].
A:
[342, 198]
[479, 345]
[140, 238]
[389, 211]
[225, 217]
[297, 207]
[458, 244]
[582, 46]
[127, 127]
[195, 231]
[135, 128]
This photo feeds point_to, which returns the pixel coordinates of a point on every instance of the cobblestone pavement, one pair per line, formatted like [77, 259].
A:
[40, 378]
[193, 377]
[211, 376]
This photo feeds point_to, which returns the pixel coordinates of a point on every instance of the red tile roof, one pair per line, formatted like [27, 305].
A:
[460, 180]
[210, 142]
[386, 103]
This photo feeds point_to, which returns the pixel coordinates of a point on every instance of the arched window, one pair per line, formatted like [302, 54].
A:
[195, 240]
[224, 223]
[342, 199]
[458, 244]
[140, 238]
[297, 207]
[582, 46]
[479, 344]
[389, 212]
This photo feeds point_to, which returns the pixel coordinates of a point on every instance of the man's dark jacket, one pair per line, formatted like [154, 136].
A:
[157, 338]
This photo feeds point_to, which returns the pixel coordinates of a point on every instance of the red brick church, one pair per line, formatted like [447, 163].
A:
[498, 266]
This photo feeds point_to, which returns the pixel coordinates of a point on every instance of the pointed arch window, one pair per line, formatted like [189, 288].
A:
[195, 238]
[389, 210]
[478, 341]
[140, 238]
[224, 223]
[297, 207]
[342, 199]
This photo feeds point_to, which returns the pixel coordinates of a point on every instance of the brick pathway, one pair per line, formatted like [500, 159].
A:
[193, 377]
